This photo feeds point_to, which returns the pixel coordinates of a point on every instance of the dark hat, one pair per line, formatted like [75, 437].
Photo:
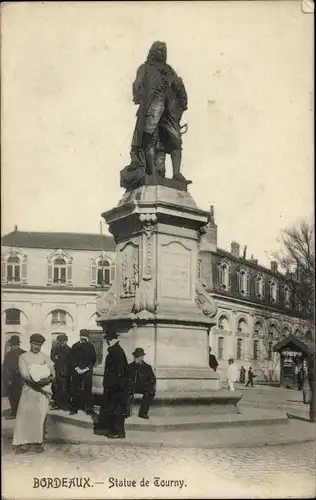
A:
[37, 338]
[62, 338]
[110, 334]
[84, 333]
[14, 340]
[139, 351]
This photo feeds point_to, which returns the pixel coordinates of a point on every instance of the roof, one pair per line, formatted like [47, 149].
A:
[65, 241]
[306, 346]
[247, 262]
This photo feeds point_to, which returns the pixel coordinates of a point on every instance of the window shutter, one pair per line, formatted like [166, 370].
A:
[3, 272]
[69, 274]
[50, 273]
[93, 274]
[112, 278]
[24, 272]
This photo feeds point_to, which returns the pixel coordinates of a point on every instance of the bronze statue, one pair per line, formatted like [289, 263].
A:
[162, 99]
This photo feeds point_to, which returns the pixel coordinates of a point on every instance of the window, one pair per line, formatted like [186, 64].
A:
[273, 291]
[13, 270]
[242, 326]
[256, 349]
[308, 335]
[102, 272]
[59, 317]
[59, 271]
[223, 323]
[270, 350]
[13, 317]
[13, 267]
[287, 296]
[243, 282]
[239, 349]
[297, 333]
[220, 347]
[258, 329]
[224, 276]
[259, 287]
[273, 330]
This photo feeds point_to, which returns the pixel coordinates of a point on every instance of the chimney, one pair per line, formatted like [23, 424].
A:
[253, 260]
[274, 266]
[234, 248]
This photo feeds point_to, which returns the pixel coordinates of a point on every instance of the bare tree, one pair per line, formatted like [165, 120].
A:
[297, 260]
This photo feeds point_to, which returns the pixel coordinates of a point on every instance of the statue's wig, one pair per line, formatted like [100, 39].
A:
[153, 51]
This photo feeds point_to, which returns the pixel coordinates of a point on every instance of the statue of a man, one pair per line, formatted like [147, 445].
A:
[162, 99]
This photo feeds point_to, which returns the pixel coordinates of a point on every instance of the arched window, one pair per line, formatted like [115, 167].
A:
[287, 296]
[13, 270]
[13, 317]
[59, 317]
[59, 269]
[224, 278]
[220, 347]
[242, 326]
[223, 323]
[259, 286]
[308, 335]
[243, 282]
[273, 330]
[270, 348]
[102, 272]
[258, 328]
[274, 292]
[59, 273]
[297, 332]
[256, 349]
[13, 267]
[239, 349]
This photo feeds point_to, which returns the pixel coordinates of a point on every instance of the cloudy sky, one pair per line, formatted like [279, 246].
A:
[68, 116]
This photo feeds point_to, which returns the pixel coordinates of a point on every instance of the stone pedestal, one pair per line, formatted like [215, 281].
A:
[157, 302]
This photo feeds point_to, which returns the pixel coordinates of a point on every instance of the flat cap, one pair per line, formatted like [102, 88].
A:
[14, 340]
[37, 338]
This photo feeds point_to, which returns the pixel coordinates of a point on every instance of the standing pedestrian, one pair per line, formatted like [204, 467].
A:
[250, 377]
[300, 379]
[232, 374]
[111, 421]
[59, 355]
[82, 358]
[212, 361]
[29, 431]
[141, 380]
[11, 376]
[242, 375]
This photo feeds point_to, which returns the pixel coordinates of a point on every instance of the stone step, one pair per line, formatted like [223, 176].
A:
[183, 421]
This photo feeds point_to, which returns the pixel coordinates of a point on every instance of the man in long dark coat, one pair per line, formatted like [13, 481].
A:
[141, 380]
[59, 355]
[11, 376]
[82, 358]
[111, 419]
[212, 361]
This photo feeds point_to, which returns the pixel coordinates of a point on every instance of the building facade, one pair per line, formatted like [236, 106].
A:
[50, 282]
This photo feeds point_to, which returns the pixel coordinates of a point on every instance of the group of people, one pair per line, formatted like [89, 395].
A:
[33, 381]
[233, 375]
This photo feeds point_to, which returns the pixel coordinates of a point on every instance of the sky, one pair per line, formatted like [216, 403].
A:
[68, 116]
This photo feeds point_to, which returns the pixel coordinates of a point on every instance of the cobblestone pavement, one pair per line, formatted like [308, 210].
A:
[271, 472]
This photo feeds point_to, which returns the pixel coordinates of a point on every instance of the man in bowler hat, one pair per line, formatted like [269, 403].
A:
[59, 356]
[141, 380]
[11, 376]
[111, 419]
[82, 358]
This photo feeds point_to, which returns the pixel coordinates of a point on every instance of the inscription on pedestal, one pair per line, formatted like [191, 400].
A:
[175, 271]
